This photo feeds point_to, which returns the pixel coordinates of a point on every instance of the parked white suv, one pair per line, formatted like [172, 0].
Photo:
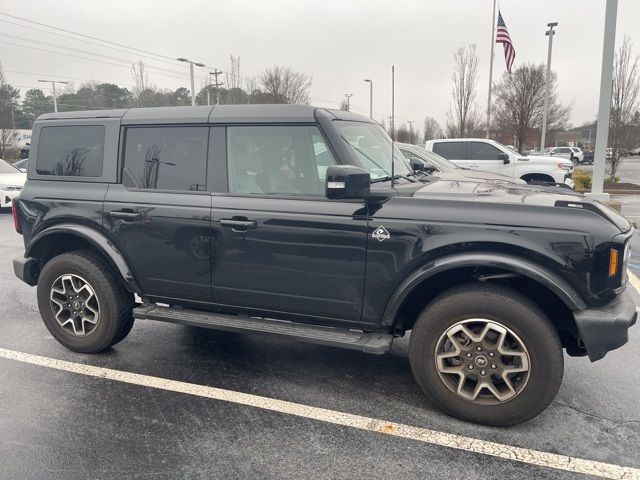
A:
[491, 156]
[11, 183]
[570, 153]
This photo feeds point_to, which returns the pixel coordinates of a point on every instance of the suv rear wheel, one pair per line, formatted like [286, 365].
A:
[81, 303]
[486, 354]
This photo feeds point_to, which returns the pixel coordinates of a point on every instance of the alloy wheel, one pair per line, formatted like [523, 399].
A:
[482, 361]
[75, 304]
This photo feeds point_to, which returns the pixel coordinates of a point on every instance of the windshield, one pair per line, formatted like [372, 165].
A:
[373, 148]
[6, 168]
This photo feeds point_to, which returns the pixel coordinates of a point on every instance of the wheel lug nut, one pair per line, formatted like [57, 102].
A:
[479, 348]
[470, 367]
[491, 354]
[482, 372]
[468, 355]
[493, 366]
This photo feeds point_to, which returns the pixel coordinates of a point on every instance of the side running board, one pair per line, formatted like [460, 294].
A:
[376, 343]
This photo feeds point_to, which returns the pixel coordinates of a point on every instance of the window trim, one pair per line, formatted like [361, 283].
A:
[283, 196]
[123, 145]
[109, 155]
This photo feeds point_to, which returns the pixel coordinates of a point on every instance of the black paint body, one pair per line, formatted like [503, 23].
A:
[312, 259]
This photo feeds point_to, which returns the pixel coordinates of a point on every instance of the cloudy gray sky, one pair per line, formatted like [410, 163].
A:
[339, 42]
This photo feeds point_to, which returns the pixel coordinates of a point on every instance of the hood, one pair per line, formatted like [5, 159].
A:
[547, 159]
[465, 174]
[13, 179]
[504, 193]
[492, 191]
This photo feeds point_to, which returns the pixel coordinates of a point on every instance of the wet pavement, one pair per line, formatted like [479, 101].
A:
[57, 424]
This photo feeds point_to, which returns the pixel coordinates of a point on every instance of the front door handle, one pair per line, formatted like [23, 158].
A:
[238, 224]
[474, 165]
[126, 215]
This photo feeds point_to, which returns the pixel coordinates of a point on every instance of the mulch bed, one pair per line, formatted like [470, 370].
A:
[621, 186]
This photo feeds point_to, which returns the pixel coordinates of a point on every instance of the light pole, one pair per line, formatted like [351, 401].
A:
[410, 122]
[193, 87]
[370, 82]
[53, 90]
[348, 95]
[604, 108]
[550, 33]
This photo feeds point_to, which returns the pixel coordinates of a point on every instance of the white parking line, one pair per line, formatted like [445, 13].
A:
[433, 437]
[633, 278]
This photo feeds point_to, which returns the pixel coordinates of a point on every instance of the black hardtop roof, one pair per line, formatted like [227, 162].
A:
[263, 113]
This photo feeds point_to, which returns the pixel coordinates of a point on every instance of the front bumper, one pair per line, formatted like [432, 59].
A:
[7, 196]
[606, 328]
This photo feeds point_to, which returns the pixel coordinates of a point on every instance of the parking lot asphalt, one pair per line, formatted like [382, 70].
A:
[57, 424]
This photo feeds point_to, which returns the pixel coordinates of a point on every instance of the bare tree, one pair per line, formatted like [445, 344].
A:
[284, 85]
[233, 81]
[232, 76]
[8, 105]
[432, 129]
[141, 80]
[344, 105]
[625, 98]
[519, 103]
[464, 118]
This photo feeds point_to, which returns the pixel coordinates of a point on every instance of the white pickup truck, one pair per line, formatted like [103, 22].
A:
[491, 156]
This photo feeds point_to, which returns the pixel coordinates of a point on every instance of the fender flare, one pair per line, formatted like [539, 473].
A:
[97, 240]
[553, 282]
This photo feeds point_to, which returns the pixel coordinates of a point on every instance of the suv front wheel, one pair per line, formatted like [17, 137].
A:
[81, 303]
[486, 354]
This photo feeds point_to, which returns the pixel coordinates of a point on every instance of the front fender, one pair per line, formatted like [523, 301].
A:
[553, 282]
[95, 238]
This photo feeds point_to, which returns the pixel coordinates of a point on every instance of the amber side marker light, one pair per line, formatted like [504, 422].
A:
[613, 262]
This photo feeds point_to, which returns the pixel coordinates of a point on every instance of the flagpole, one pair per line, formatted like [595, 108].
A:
[493, 44]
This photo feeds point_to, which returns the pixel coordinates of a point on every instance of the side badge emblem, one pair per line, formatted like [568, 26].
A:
[381, 233]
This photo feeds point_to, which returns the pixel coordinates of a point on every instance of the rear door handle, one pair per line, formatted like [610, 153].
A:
[238, 225]
[126, 215]
[474, 165]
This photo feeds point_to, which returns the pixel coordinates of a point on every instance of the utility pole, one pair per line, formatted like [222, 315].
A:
[193, 86]
[550, 33]
[410, 122]
[348, 95]
[370, 82]
[604, 109]
[53, 90]
[216, 84]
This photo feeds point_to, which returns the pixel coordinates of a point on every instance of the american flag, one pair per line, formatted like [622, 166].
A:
[502, 36]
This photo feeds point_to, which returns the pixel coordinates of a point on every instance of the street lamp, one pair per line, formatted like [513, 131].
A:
[370, 82]
[348, 95]
[550, 33]
[193, 87]
[53, 89]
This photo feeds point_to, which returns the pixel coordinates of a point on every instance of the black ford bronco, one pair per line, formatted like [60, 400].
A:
[305, 223]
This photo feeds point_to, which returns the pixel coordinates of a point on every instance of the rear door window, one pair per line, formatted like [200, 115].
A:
[450, 150]
[166, 158]
[71, 151]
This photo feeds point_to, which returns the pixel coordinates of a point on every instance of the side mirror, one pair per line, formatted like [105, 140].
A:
[347, 182]
[417, 165]
[551, 154]
[504, 157]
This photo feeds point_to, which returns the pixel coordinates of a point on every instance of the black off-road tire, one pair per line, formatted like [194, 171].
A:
[116, 304]
[514, 311]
